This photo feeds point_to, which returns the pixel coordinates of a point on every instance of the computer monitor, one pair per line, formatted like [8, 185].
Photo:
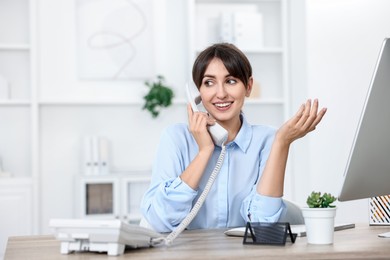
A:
[367, 173]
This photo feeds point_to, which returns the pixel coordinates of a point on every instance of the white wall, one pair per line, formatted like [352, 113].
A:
[343, 42]
[298, 94]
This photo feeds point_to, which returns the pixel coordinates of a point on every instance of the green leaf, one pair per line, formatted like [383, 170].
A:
[158, 97]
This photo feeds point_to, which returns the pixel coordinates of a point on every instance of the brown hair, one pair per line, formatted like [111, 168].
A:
[235, 61]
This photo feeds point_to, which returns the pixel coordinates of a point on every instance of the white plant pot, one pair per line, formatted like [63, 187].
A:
[319, 224]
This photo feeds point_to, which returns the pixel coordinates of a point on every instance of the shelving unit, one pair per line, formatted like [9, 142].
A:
[18, 114]
[210, 22]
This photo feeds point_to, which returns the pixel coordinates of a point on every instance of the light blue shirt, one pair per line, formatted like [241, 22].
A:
[232, 200]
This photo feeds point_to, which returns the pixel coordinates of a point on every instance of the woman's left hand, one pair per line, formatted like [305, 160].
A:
[303, 122]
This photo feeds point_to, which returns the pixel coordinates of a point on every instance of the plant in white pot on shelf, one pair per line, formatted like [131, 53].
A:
[319, 218]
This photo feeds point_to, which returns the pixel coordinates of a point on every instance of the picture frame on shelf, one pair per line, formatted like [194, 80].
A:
[117, 195]
[99, 197]
[115, 39]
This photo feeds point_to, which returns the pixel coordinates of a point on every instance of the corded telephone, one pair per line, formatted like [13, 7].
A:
[112, 236]
[217, 132]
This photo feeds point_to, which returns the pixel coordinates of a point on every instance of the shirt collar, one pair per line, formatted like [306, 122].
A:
[244, 136]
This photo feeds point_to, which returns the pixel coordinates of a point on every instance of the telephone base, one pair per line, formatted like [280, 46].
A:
[111, 236]
[112, 249]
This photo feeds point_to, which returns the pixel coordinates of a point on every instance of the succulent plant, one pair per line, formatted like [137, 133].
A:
[316, 200]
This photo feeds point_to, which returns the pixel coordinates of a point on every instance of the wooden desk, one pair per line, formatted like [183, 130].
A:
[361, 242]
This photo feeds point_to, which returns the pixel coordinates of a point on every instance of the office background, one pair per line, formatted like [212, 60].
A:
[332, 48]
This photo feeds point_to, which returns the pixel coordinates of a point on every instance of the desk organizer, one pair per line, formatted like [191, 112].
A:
[379, 210]
[265, 233]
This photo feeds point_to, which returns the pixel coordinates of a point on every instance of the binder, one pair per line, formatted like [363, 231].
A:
[96, 159]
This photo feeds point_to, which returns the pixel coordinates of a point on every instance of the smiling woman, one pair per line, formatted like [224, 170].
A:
[249, 186]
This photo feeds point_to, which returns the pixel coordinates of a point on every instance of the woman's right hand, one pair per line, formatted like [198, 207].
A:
[198, 122]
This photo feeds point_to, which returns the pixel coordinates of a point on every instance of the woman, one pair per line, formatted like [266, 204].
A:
[249, 186]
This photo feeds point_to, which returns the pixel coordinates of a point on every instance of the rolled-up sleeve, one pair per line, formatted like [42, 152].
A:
[260, 208]
[167, 204]
[168, 199]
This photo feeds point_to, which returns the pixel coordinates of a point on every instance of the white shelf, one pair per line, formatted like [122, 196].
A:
[15, 47]
[177, 101]
[264, 50]
[15, 102]
[8, 181]
[267, 50]
[89, 103]
[269, 101]
[235, 1]
[248, 101]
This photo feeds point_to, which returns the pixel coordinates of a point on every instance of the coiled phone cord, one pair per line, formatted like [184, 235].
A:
[194, 211]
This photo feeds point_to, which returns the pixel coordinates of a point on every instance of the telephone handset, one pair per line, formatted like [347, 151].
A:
[217, 132]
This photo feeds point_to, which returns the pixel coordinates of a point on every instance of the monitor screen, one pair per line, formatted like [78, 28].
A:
[367, 173]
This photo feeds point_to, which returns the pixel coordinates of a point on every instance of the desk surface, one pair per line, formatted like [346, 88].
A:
[361, 242]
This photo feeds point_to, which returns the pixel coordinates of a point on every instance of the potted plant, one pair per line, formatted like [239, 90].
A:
[159, 96]
[319, 218]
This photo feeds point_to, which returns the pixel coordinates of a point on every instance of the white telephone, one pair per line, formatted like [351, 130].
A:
[217, 132]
